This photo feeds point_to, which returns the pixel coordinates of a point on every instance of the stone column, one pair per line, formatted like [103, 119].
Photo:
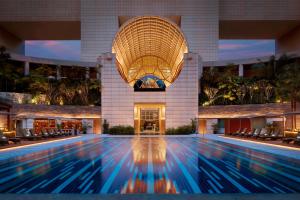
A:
[98, 71]
[241, 70]
[117, 96]
[87, 73]
[58, 70]
[200, 72]
[26, 68]
[182, 94]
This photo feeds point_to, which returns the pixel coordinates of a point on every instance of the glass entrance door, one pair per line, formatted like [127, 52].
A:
[149, 120]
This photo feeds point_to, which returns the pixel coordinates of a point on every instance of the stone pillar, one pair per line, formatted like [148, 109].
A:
[117, 96]
[98, 71]
[200, 73]
[26, 68]
[241, 70]
[182, 94]
[87, 73]
[58, 70]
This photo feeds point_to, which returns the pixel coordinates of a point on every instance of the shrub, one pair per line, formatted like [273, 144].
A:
[180, 130]
[105, 126]
[121, 130]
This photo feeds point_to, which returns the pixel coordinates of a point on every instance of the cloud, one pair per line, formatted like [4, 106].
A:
[65, 50]
[239, 49]
[228, 49]
[231, 46]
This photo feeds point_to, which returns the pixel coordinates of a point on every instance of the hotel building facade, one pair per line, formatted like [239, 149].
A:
[150, 54]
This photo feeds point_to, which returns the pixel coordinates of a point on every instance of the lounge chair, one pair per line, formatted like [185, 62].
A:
[65, 132]
[250, 133]
[236, 133]
[290, 139]
[297, 139]
[12, 139]
[51, 133]
[62, 131]
[289, 136]
[287, 139]
[256, 133]
[68, 132]
[27, 135]
[57, 132]
[44, 133]
[264, 133]
[276, 134]
[34, 134]
[3, 139]
[244, 132]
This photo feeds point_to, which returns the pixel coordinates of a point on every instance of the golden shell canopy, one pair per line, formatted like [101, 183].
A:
[149, 46]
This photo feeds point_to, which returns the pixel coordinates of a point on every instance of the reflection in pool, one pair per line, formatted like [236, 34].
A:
[150, 165]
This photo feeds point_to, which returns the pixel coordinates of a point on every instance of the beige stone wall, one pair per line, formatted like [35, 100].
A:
[259, 9]
[40, 10]
[180, 99]
[182, 95]
[117, 96]
[99, 23]
[200, 20]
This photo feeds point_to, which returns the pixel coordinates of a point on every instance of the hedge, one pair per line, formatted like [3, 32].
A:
[180, 130]
[121, 130]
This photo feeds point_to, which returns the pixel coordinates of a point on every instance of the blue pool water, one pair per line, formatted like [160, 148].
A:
[149, 165]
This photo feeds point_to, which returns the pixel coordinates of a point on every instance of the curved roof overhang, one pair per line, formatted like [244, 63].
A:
[149, 45]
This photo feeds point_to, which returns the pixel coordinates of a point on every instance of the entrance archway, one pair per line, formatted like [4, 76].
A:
[149, 46]
[149, 118]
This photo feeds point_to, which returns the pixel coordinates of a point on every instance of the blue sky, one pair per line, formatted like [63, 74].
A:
[228, 49]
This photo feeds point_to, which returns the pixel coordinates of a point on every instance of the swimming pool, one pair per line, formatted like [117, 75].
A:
[173, 165]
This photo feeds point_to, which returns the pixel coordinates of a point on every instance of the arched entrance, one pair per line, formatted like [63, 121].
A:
[149, 46]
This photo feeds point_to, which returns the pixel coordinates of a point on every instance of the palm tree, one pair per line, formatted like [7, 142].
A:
[42, 82]
[211, 93]
[87, 89]
[83, 91]
[67, 90]
[288, 82]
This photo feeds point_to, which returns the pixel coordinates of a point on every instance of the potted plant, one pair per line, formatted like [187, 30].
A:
[215, 128]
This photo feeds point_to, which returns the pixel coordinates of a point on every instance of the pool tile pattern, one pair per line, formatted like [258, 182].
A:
[167, 165]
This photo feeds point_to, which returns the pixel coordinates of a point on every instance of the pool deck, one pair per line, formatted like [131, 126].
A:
[22, 150]
[274, 149]
[257, 145]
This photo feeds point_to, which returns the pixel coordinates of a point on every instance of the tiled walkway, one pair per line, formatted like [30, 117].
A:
[278, 150]
[19, 151]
